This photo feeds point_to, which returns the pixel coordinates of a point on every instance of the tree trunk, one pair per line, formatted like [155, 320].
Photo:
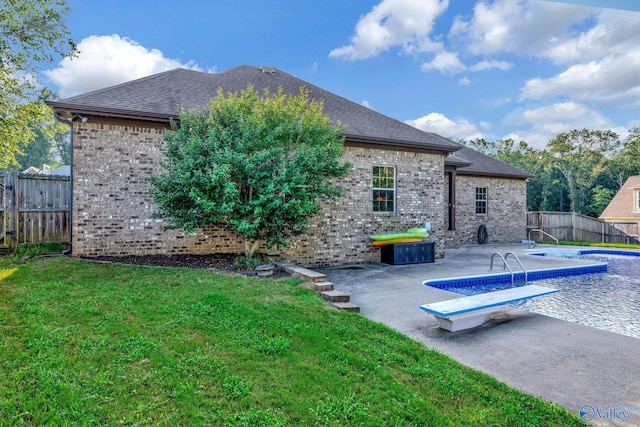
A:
[250, 247]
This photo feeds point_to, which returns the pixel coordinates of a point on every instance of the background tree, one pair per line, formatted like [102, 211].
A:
[254, 165]
[44, 148]
[626, 163]
[581, 156]
[32, 32]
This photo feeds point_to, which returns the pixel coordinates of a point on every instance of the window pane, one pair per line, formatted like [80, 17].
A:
[481, 200]
[383, 189]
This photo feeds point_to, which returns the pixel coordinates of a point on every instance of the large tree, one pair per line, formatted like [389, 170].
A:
[46, 144]
[32, 33]
[582, 156]
[254, 164]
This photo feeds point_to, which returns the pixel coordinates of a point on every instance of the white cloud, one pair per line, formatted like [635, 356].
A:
[464, 81]
[440, 124]
[109, 60]
[405, 23]
[487, 65]
[366, 104]
[614, 79]
[545, 123]
[445, 62]
[518, 26]
[615, 32]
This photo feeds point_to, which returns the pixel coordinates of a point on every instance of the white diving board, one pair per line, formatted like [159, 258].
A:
[468, 312]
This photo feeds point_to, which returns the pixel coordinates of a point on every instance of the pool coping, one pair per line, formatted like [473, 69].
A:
[506, 277]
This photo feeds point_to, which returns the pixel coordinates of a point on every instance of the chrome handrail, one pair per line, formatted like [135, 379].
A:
[519, 263]
[541, 231]
[504, 264]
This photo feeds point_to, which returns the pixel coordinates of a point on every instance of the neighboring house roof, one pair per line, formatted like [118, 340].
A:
[481, 164]
[64, 170]
[157, 97]
[623, 205]
[32, 170]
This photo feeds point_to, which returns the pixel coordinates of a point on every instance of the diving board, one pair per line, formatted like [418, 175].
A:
[470, 311]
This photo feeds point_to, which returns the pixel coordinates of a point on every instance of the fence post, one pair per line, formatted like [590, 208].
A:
[11, 208]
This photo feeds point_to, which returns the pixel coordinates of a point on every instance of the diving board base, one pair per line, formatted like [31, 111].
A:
[464, 321]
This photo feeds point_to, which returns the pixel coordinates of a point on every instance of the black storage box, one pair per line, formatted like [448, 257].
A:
[408, 253]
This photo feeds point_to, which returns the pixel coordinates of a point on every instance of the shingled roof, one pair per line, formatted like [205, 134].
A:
[158, 98]
[621, 207]
[479, 164]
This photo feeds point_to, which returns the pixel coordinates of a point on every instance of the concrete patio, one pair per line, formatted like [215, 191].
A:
[576, 366]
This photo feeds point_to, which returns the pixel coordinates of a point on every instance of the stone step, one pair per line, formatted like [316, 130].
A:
[335, 296]
[305, 273]
[346, 306]
[321, 286]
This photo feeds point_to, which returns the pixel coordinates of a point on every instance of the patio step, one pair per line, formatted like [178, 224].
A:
[335, 296]
[346, 306]
[318, 282]
[321, 286]
[305, 273]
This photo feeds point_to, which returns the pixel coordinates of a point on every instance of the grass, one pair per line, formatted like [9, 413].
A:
[602, 245]
[86, 343]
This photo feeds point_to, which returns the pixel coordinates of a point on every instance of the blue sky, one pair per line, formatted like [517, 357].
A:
[522, 69]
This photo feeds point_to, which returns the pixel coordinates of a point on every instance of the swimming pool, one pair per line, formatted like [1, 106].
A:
[605, 295]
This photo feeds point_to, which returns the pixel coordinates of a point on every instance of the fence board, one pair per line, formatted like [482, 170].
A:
[34, 209]
[580, 228]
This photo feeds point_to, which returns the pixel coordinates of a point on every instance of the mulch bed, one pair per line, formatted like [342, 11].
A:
[219, 262]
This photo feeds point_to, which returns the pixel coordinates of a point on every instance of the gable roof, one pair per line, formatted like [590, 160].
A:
[158, 96]
[623, 203]
[479, 164]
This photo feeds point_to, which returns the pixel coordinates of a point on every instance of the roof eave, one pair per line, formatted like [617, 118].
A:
[110, 112]
[399, 144]
[496, 174]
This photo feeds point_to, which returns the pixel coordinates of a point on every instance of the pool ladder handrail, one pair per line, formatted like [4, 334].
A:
[541, 231]
[505, 265]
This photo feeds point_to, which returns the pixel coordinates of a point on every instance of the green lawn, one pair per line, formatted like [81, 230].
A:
[85, 343]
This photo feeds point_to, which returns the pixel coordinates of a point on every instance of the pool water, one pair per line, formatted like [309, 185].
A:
[609, 301]
[605, 300]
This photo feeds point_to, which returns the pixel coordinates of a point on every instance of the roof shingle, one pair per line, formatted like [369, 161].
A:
[623, 203]
[159, 97]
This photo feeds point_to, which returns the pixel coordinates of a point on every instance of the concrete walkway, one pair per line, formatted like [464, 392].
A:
[573, 365]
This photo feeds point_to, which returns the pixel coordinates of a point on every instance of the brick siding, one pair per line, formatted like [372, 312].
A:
[506, 217]
[113, 209]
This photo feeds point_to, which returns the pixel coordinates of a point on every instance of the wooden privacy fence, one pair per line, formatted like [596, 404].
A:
[34, 209]
[580, 228]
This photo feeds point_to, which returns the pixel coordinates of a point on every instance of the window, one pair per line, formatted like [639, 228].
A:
[636, 200]
[481, 200]
[384, 188]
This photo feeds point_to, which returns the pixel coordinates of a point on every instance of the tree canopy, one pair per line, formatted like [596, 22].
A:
[578, 171]
[254, 164]
[32, 33]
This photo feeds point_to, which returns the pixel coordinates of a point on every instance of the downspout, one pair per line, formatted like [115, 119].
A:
[452, 200]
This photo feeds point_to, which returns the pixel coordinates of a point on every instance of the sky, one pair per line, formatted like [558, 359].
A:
[493, 69]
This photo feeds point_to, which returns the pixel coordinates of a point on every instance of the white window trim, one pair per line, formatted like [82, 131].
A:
[485, 200]
[395, 199]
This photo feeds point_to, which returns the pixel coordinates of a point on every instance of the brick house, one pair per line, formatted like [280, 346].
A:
[623, 211]
[118, 140]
